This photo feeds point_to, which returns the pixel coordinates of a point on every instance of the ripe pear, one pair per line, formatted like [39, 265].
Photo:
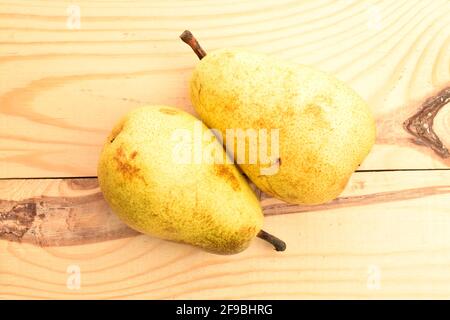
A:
[203, 203]
[325, 128]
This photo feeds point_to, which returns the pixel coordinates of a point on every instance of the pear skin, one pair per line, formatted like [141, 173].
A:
[207, 205]
[325, 128]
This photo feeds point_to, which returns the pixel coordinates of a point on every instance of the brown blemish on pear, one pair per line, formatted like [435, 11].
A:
[115, 132]
[125, 165]
[168, 111]
[226, 173]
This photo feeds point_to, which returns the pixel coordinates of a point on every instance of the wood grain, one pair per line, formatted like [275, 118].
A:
[63, 89]
[391, 227]
[73, 211]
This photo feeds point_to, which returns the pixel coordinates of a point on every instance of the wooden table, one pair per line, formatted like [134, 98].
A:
[65, 81]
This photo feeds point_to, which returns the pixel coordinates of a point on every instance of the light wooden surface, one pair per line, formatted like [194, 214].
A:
[388, 235]
[62, 89]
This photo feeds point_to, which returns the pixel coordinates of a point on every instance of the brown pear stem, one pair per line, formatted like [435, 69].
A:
[189, 38]
[278, 244]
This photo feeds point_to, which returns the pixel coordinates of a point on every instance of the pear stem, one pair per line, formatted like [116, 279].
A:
[278, 244]
[189, 38]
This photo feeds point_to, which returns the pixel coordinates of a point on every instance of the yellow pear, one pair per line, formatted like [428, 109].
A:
[325, 129]
[155, 182]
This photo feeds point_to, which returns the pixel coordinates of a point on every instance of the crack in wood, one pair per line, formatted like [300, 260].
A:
[420, 125]
[362, 200]
[60, 221]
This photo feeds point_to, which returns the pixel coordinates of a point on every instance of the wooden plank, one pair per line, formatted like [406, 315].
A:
[386, 236]
[62, 89]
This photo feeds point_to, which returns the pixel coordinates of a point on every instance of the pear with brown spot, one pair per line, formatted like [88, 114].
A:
[325, 128]
[150, 176]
